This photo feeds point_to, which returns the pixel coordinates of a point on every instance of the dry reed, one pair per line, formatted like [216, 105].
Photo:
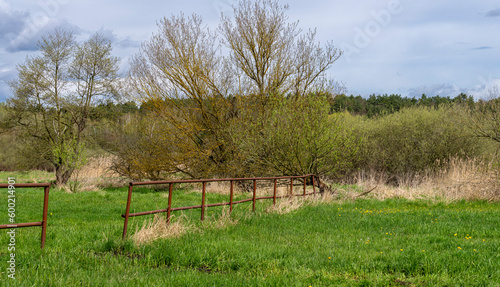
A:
[458, 179]
[96, 173]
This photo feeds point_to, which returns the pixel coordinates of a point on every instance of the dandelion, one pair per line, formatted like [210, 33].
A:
[459, 248]
[474, 250]
[455, 234]
[401, 249]
[329, 258]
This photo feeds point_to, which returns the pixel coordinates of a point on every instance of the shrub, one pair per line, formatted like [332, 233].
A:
[413, 140]
[294, 136]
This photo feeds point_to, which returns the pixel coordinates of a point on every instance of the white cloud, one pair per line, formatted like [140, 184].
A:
[442, 90]
[484, 90]
[4, 6]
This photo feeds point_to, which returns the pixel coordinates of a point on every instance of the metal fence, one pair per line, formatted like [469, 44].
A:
[203, 206]
[43, 223]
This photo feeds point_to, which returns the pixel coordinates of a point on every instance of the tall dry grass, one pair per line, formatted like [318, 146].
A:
[158, 228]
[459, 179]
[95, 174]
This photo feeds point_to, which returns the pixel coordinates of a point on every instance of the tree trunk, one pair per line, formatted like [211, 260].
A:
[63, 175]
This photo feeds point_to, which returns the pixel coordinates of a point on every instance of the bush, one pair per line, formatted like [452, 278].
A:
[413, 140]
[293, 137]
[141, 147]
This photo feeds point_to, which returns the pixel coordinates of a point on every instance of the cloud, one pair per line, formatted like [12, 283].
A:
[33, 31]
[493, 13]
[12, 23]
[128, 43]
[21, 30]
[482, 48]
[443, 90]
[485, 89]
[120, 42]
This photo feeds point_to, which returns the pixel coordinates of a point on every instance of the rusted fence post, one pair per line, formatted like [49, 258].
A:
[42, 223]
[231, 192]
[203, 201]
[127, 210]
[274, 191]
[44, 216]
[254, 193]
[291, 187]
[169, 210]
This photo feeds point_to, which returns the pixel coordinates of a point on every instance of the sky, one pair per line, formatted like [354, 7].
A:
[406, 47]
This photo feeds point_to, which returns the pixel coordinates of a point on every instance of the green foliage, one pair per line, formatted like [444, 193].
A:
[142, 148]
[380, 105]
[294, 136]
[111, 110]
[414, 140]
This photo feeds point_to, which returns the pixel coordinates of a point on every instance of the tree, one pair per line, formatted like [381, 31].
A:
[271, 55]
[484, 116]
[54, 92]
[298, 136]
[184, 75]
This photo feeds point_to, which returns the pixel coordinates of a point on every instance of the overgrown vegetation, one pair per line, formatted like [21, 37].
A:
[414, 140]
[337, 242]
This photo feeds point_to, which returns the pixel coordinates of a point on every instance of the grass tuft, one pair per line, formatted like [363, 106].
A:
[158, 228]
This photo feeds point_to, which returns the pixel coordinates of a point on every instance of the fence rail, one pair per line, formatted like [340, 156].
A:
[43, 223]
[203, 206]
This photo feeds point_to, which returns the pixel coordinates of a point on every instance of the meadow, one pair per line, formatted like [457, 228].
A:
[315, 241]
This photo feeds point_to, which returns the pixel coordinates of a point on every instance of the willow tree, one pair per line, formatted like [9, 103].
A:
[53, 94]
[199, 80]
[180, 73]
[272, 55]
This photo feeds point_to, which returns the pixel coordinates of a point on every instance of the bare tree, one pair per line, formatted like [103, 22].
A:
[181, 72]
[272, 53]
[485, 116]
[54, 92]
[199, 89]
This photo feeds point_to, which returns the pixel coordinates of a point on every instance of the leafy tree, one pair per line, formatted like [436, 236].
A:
[53, 95]
[297, 137]
[183, 76]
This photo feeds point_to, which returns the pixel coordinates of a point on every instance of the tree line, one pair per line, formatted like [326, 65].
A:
[378, 105]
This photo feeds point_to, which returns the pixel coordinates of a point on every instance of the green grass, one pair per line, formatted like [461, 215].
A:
[354, 243]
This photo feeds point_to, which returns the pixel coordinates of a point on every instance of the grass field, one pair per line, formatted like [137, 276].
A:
[365, 242]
